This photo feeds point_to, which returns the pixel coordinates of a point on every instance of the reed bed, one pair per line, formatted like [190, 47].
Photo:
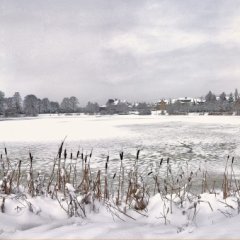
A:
[77, 188]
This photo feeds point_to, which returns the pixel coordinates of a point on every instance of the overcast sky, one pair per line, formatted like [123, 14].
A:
[128, 49]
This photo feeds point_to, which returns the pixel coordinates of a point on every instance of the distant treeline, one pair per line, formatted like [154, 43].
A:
[223, 104]
[32, 106]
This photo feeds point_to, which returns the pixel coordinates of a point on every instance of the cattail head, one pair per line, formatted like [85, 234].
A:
[60, 150]
[168, 159]
[114, 175]
[78, 152]
[232, 160]
[149, 173]
[121, 155]
[107, 158]
[71, 156]
[138, 152]
[106, 165]
[65, 153]
[30, 156]
[161, 161]
[5, 150]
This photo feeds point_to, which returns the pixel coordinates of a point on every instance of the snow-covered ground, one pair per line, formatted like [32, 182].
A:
[195, 139]
[198, 141]
[215, 218]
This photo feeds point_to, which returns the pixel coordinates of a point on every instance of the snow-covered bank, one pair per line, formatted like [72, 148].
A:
[72, 201]
[214, 218]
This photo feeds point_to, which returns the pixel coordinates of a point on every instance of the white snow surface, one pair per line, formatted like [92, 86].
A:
[55, 128]
[196, 139]
[49, 221]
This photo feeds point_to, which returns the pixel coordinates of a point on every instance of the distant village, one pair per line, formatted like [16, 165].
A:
[211, 104]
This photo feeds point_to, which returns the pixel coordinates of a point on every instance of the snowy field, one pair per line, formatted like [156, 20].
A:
[197, 141]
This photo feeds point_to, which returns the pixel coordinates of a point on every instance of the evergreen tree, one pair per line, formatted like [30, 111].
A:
[231, 98]
[223, 96]
[210, 97]
[236, 95]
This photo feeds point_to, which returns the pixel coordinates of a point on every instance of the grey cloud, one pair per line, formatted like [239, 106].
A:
[130, 49]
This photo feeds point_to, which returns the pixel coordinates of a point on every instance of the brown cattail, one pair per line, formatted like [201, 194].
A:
[161, 161]
[121, 155]
[65, 153]
[78, 152]
[60, 150]
[138, 152]
[30, 156]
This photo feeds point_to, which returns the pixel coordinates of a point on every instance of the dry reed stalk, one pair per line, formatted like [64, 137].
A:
[106, 191]
[3, 205]
[19, 174]
[31, 181]
[97, 186]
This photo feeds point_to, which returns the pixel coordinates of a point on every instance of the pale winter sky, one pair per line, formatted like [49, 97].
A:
[129, 49]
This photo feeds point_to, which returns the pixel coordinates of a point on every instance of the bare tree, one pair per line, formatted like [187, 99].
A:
[92, 108]
[30, 105]
[45, 106]
[2, 102]
[17, 103]
[74, 103]
[66, 105]
[54, 106]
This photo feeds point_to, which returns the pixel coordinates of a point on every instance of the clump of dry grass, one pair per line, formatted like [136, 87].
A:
[74, 185]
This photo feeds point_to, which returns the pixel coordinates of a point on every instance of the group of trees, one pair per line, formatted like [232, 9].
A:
[210, 103]
[32, 106]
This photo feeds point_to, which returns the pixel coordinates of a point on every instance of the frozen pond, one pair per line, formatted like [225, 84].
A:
[198, 140]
